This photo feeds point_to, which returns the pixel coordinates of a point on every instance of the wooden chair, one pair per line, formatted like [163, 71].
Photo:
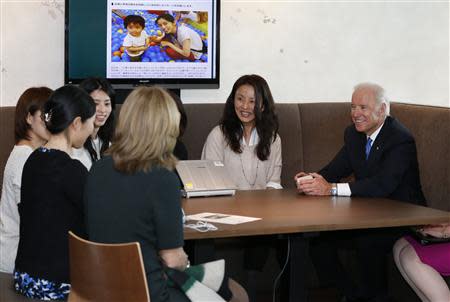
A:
[106, 272]
[114, 272]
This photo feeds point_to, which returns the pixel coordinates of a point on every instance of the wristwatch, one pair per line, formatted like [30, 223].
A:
[333, 191]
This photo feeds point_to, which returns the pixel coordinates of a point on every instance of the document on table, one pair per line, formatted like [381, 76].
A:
[222, 218]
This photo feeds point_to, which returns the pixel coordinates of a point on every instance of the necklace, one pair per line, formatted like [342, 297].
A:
[252, 184]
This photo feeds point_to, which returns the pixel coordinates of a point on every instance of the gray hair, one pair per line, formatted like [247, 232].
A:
[380, 94]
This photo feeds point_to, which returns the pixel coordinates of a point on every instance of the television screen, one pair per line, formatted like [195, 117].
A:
[173, 43]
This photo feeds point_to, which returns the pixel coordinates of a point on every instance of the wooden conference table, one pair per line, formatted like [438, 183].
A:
[286, 212]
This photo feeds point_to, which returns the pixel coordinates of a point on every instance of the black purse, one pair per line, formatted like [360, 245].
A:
[425, 239]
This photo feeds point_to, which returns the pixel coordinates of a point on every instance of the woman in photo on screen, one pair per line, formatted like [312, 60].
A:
[30, 133]
[52, 197]
[247, 142]
[99, 141]
[180, 41]
[423, 266]
[140, 194]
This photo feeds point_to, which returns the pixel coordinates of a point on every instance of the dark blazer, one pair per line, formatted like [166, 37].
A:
[391, 171]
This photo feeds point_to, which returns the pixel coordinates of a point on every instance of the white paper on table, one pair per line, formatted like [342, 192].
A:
[222, 218]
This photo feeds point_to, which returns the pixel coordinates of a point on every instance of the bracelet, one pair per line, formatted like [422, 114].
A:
[333, 190]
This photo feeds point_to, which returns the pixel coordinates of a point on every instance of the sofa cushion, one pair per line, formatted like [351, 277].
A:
[202, 118]
[323, 126]
[291, 135]
[430, 127]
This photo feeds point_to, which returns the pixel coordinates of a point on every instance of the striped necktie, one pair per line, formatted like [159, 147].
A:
[368, 146]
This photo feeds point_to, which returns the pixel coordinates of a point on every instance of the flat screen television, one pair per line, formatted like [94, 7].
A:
[172, 43]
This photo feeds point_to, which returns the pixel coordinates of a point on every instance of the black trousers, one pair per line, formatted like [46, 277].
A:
[257, 248]
[371, 247]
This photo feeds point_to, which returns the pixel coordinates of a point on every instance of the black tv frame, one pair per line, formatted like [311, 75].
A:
[126, 84]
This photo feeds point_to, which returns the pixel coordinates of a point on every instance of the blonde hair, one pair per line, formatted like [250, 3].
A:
[146, 131]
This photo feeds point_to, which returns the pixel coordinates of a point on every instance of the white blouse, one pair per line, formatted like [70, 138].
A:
[82, 154]
[247, 170]
[9, 212]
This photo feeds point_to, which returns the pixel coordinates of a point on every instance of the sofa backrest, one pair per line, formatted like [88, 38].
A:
[431, 129]
[6, 137]
[311, 134]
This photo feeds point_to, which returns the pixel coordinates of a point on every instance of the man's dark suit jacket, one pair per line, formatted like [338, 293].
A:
[391, 171]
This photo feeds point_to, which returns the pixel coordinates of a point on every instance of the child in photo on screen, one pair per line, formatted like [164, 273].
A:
[136, 41]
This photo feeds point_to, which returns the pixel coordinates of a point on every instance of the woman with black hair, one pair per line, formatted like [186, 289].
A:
[52, 197]
[100, 139]
[247, 140]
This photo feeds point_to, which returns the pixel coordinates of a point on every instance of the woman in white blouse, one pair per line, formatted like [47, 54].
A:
[248, 144]
[30, 133]
[104, 96]
[247, 140]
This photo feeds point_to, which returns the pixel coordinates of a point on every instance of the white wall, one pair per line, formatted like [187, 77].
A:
[308, 51]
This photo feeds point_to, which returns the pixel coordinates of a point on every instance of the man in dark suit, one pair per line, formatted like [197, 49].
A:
[381, 155]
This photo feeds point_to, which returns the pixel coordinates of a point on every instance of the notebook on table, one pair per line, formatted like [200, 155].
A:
[204, 178]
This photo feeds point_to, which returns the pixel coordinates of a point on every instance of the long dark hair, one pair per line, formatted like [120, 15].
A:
[106, 131]
[167, 17]
[266, 120]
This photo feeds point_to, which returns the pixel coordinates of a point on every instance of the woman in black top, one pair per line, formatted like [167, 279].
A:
[134, 195]
[51, 197]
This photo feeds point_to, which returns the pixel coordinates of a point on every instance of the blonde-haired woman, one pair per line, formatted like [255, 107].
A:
[133, 194]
